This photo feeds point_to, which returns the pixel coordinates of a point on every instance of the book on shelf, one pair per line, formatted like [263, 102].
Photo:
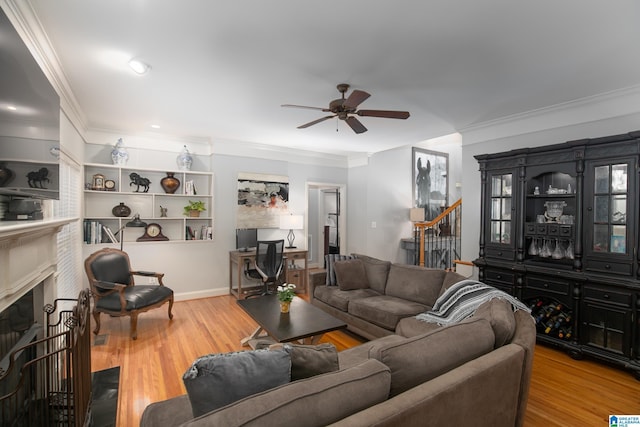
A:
[109, 234]
[95, 232]
[190, 188]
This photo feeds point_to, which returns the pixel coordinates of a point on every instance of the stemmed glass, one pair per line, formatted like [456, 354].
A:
[558, 253]
[533, 248]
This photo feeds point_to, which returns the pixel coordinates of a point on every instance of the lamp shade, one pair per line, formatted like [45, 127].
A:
[416, 214]
[291, 222]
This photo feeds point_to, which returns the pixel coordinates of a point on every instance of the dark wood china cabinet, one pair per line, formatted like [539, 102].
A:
[559, 230]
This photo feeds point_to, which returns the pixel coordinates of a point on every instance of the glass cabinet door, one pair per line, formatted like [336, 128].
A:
[610, 208]
[501, 199]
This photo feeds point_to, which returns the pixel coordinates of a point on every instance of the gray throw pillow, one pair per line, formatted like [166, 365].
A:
[350, 275]
[216, 380]
[310, 360]
[329, 261]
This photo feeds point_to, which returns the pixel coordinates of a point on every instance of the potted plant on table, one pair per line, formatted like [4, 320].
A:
[285, 296]
[193, 209]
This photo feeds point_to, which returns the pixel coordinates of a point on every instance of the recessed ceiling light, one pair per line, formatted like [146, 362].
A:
[155, 126]
[138, 66]
[11, 107]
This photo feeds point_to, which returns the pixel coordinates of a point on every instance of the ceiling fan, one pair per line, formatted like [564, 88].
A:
[346, 109]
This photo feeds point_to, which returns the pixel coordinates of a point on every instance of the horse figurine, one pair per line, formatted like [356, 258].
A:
[35, 178]
[140, 182]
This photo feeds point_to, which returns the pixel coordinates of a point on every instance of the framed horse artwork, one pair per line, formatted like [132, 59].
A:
[430, 181]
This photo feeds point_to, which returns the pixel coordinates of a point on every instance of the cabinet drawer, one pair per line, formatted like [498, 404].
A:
[565, 231]
[541, 229]
[553, 229]
[507, 253]
[530, 228]
[295, 255]
[499, 277]
[548, 286]
[604, 295]
[621, 268]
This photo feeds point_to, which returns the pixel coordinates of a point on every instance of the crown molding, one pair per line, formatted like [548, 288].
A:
[620, 102]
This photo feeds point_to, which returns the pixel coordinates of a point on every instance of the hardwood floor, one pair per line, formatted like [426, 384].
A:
[564, 392]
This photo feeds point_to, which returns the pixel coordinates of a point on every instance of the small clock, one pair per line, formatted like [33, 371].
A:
[110, 185]
[98, 182]
[153, 233]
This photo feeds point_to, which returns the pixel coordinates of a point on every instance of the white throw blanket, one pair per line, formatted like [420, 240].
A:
[462, 299]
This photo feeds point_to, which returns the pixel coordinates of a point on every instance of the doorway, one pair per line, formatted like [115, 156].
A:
[326, 221]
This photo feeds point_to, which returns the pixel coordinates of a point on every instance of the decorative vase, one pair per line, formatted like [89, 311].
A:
[6, 175]
[121, 210]
[170, 183]
[184, 160]
[119, 154]
[284, 306]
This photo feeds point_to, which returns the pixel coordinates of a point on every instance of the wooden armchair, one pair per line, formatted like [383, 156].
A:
[114, 291]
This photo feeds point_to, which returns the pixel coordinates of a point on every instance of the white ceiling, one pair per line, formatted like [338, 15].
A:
[221, 69]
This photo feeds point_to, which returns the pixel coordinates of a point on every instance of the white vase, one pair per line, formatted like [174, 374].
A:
[184, 160]
[119, 154]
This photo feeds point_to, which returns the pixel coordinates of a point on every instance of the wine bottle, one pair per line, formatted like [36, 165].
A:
[565, 332]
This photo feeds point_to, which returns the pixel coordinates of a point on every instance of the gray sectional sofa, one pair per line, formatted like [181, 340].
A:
[386, 302]
[475, 372]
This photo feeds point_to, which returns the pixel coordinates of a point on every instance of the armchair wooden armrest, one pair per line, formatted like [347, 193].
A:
[158, 276]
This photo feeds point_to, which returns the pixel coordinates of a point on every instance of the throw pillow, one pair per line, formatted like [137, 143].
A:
[216, 380]
[350, 275]
[377, 271]
[329, 261]
[310, 360]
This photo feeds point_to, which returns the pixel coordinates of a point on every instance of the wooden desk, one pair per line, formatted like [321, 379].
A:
[237, 259]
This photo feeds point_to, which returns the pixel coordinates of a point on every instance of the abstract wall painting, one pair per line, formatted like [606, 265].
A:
[262, 199]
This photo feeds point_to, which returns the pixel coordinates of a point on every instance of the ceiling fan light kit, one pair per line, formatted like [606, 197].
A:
[347, 109]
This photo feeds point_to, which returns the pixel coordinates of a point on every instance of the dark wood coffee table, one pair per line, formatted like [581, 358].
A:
[304, 322]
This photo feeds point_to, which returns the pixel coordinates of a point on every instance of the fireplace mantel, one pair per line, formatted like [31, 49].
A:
[28, 255]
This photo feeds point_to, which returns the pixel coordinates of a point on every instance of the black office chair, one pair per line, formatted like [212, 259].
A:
[268, 263]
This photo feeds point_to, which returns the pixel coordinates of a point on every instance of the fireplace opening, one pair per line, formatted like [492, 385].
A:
[18, 329]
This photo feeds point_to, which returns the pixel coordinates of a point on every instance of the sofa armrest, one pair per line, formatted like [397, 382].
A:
[316, 278]
[171, 412]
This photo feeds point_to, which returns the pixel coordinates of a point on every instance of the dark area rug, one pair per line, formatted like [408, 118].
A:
[104, 406]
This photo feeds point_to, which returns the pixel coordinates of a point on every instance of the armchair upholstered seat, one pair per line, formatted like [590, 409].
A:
[114, 291]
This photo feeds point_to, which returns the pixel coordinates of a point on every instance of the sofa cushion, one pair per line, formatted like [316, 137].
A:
[410, 327]
[316, 401]
[384, 310]
[414, 283]
[309, 360]
[338, 298]
[499, 313]
[424, 357]
[350, 275]
[216, 380]
[450, 278]
[329, 261]
[377, 271]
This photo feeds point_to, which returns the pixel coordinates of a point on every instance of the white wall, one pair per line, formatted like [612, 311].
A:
[381, 192]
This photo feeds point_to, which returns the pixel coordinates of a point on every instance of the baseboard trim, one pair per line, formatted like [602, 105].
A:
[185, 296]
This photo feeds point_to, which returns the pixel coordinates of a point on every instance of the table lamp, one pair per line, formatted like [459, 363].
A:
[291, 222]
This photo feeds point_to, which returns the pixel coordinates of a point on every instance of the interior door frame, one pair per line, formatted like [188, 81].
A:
[342, 219]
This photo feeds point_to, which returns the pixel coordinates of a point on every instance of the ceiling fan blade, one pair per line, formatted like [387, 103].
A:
[304, 106]
[355, 125]
[384, 113]
[306, 125]
[355, 99]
